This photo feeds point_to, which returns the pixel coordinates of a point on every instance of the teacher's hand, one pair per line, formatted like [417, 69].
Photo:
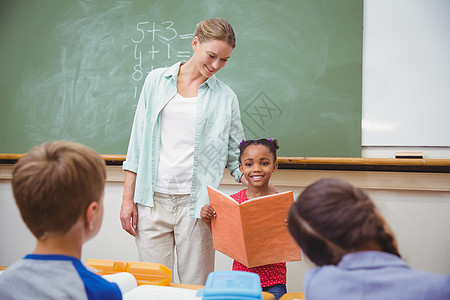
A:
[128, 211]
[129, 216]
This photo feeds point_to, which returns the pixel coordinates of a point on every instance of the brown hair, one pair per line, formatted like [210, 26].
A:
[331, 218]
[215, 29]
[54, 183]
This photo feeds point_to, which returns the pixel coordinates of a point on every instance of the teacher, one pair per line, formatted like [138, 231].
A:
[186, 130]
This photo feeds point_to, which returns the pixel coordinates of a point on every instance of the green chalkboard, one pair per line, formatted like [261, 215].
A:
[74, 69]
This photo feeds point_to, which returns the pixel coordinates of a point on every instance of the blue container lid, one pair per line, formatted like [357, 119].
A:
[232, 285]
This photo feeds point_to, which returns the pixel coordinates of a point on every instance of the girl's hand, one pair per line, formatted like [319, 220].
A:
[207, 213]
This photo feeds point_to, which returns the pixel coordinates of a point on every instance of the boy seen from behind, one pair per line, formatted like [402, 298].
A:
[58, 188]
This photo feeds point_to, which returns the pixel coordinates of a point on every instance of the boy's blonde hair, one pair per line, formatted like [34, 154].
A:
[215, 29]
[54, 183]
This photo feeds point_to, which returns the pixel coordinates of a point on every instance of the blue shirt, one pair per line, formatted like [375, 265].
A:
[374, 275]
[54, 277]
[218, 132]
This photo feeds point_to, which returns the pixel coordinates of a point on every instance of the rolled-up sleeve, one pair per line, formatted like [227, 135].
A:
[135, 145]
[236, 136]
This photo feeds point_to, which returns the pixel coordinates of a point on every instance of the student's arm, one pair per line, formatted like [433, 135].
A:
[128, 211]
[207, 213]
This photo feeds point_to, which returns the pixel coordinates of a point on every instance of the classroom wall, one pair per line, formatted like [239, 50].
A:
[417, 206]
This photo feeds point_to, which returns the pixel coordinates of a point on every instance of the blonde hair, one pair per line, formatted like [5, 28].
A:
[54, 183]
[215, 29]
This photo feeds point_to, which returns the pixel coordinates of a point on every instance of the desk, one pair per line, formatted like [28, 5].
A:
[186, 286]
[173, 291]
[266, 296]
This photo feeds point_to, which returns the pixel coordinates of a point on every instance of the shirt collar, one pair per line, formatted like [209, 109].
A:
[173, 72]
[50, 257]
[370, 259]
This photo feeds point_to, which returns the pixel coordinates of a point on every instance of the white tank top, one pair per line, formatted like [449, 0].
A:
[176, 156]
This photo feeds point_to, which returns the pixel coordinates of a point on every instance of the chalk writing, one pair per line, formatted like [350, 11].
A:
[156, 45]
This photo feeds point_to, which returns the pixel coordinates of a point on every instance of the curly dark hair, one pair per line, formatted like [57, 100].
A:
[272, 144]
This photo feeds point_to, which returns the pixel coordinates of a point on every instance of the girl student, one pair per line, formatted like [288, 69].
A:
[339, 228]
[257, 162]
[186, 130]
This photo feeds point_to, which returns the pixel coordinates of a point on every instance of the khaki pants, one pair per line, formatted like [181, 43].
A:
[166, 228]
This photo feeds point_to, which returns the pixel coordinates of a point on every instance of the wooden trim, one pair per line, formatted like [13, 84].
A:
[363, 161]
[318, 163]
[396, 181]
[365, 164]
[12, 158]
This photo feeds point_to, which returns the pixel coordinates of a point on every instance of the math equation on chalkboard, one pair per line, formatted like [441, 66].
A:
[156, 45]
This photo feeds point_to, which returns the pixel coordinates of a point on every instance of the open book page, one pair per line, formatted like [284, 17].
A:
[266, 235]
[131, 291]
[156, 292]
[228, 236]
[254, 232]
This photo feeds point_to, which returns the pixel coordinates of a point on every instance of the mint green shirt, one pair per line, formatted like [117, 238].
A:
[218, 132]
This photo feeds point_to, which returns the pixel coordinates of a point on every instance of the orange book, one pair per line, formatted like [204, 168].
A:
[254, 233]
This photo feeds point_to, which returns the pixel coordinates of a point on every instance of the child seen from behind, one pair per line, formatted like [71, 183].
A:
[257, 162]
[339, 228]
[58, 188]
